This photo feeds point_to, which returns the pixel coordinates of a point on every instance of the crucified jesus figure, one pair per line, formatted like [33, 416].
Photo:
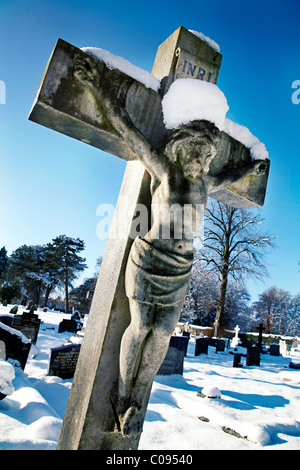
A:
[158, 267]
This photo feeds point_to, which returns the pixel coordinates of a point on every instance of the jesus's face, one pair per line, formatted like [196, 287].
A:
[194, 147]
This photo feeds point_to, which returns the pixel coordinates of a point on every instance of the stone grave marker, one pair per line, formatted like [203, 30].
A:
[235, 341]
[29, 324]
[68, 325]
[17, 346]
[201, 346]
[220, 345]
[253, 356]
[83, 98]
[237, 360]
[284, 348]
[63, 361]
[274, 349]
[6, 319]
[173, 362]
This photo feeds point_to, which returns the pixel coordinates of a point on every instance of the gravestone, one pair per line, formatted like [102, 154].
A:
[7, 319]
[67, 104]
[260, 332]
[295, 344]
[186, 334]
[235, 341]
[253, 356]
[237, 360]
[201, 346]
[68, 325]
[173, 362]
[17, 346]
[274, 349]
[284, 348]
[63, 361]
[29, 324]
[220, 345]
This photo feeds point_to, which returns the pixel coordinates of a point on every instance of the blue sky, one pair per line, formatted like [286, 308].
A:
[51, 184]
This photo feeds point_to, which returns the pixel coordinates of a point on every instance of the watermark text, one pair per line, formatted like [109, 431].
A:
[296, 93]
[2, 92]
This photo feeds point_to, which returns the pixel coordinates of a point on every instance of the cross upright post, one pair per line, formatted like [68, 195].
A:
[82, 97]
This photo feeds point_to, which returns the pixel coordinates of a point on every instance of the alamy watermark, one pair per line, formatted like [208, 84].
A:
[165, 222]
[2, 92]
[296, 93]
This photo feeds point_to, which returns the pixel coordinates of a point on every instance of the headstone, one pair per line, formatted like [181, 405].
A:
[63, 361]
[68, 325]
[253, 356]
[17, 346]
[28, 323]
[260, 332]
[67, 102]
[173, 362]
[274, 349]
[237, 360]
[7, 319]
[187, 335]
[284, 348]
[295, 344]
[235, 341]
[201, 346]
[220, 345]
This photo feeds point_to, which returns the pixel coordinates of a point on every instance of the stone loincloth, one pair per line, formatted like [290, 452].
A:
[156, 276]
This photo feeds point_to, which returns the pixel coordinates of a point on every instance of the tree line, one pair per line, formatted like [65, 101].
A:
[233, 249]
[33, 272]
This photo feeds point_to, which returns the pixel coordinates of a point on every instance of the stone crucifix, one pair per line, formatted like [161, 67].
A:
[143, 279]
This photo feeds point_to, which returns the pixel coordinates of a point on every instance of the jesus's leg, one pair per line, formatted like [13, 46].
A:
[155, 349]
[131, 347]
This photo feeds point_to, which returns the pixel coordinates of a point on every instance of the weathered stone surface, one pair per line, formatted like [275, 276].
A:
[184, 55]
[62, 104]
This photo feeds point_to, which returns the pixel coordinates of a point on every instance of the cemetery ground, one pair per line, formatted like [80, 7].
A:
[259, 407]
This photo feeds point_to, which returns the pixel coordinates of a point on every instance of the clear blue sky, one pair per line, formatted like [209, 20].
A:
[51, 184]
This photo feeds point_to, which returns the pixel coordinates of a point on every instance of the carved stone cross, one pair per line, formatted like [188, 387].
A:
[82, 97]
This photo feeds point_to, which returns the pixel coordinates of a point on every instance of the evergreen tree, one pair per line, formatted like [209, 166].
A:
[3, 262]
[26, 268]
[66, 252]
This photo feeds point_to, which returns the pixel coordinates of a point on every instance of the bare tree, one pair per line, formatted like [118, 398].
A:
[233, 246]
[272, 309]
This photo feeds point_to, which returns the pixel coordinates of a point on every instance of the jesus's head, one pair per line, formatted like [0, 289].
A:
[193, 146]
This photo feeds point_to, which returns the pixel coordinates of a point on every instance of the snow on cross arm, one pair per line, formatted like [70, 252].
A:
[116, 62]
[189, 100]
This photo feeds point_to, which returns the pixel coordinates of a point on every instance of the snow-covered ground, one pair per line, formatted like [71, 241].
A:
[259, 407]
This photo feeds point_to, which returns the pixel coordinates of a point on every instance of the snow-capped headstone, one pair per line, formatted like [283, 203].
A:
[93, 100]
[28, 323]
[17, 346]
